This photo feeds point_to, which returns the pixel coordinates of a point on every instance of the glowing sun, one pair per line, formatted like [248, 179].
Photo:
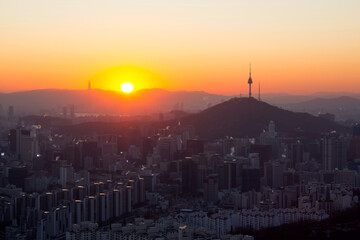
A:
[127, 87]
[127, 79]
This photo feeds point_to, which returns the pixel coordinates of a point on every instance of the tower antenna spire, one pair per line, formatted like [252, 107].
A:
[259, 91]
[240, 91]
[249, 70]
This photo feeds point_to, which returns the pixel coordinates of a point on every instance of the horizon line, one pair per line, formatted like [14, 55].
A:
[182, 90]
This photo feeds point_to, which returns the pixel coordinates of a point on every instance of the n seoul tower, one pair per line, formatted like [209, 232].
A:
[250, 81]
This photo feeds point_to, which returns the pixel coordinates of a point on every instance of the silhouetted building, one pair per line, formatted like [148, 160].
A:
[211, 188]
[265, 153]
[354, 151]
[274, 173]
[270, 138]
[166, 147]
[328, 116]
[89, 153]
[355, 143]
[297, 152]
[150, 182]
[11, 112]
[12, 141]
[72, 155]
[314, 149]
[17, 176]
[334, 151]
[107, 143]
[227, 172]
[194, 146]
[327, 177]
[72, 111]
[189, 178]
[23, 144]
[288, 177]
[250, 179]
[122, 146]
[356, 130]
[147, 148]
[65, 112]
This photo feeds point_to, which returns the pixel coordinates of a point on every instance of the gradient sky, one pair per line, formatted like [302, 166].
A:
[294, 46]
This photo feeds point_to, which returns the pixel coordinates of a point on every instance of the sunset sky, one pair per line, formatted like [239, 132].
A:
[294, 46]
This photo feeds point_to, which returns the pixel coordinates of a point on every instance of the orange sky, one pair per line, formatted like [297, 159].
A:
[294, 46]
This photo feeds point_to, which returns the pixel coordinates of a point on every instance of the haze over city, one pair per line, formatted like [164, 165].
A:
[294, 47]
[159, 119]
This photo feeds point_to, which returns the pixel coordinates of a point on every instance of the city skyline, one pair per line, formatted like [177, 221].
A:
[146, 119]
[296, 48]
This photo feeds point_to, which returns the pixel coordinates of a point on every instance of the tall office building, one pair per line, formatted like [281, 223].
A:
[24, 144]
[297, 152]
[265, 154]
[274, 173]
[89, 155]
[194, 146]
[334, 152]
[72, 111]
[65, 112]
[11, 112]
[189, 177]
[66, 173]
[17, 175]
[166, 148]
[356, 130]
[78, 212]
[250, 179]
[102, 207]
[211, 188]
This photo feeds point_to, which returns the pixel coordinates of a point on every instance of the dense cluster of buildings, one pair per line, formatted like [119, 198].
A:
[166, 183]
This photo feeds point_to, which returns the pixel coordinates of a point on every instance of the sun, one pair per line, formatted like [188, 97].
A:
[127, 87]
[127, 79]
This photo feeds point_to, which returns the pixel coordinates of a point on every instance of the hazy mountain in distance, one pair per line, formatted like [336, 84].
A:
[145, 101]
[142, 102]
[240, 117]
[343, 107]
[42, 101]
[283, 99]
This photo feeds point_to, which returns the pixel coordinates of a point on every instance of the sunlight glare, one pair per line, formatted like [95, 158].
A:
[127, 87]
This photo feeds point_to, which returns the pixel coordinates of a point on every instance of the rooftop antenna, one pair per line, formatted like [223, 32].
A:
[259, 91]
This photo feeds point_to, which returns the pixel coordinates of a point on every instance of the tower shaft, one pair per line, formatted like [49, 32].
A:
[250, 81]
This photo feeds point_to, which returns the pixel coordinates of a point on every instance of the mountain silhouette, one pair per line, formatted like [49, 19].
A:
[240, 117]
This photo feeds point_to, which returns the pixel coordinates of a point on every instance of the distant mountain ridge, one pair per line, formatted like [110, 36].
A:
[146, 101]
[343, 107]
[338, 102]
